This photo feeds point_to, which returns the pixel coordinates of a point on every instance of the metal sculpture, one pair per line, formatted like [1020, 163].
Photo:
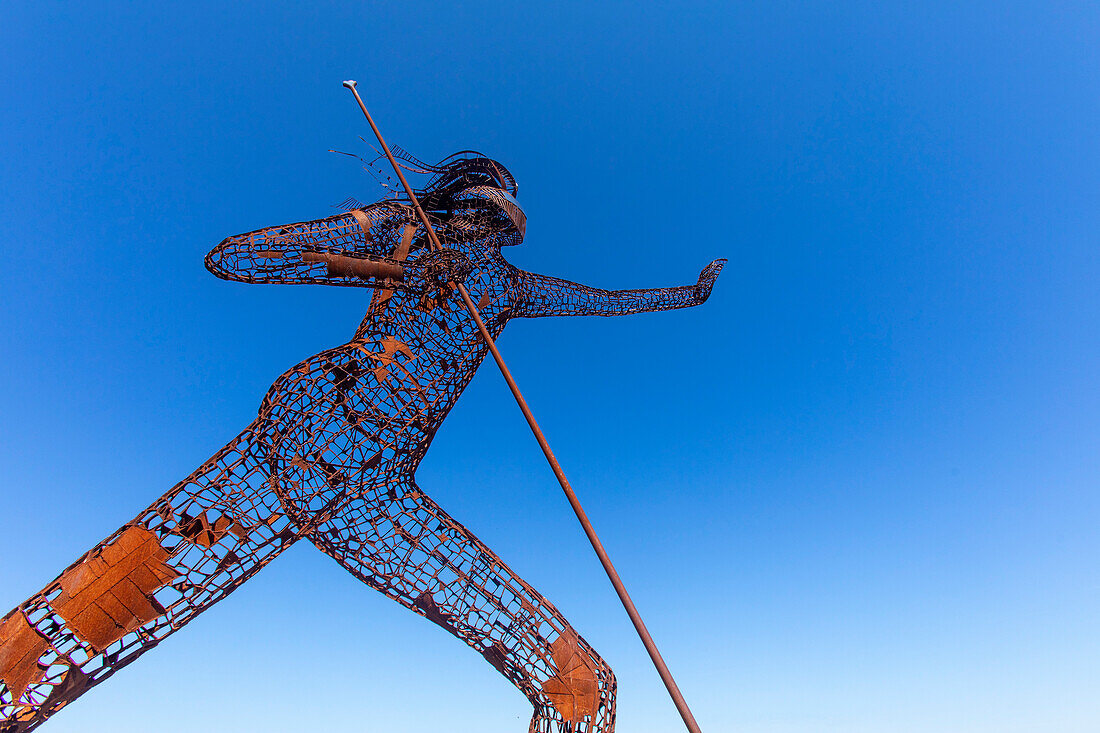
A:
[332, 455]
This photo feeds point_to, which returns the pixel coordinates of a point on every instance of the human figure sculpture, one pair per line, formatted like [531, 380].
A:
[332, 456]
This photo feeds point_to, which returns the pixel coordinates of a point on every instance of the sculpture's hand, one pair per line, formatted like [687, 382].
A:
[706, 280]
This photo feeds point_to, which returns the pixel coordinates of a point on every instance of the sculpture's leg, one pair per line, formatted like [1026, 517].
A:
[190, 549]
[403, 544]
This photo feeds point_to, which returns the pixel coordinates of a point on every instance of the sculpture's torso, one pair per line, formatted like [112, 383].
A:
[359, 418]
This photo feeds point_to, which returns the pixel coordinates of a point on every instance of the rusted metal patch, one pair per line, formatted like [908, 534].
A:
[364, 221]
[110, 593]
[573, 691]
[388, 357]
[432, 612]
[20, 647]
[201, 531]
[361, 267]
[401, 252]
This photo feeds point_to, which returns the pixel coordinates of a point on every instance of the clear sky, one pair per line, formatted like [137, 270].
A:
[855, 491]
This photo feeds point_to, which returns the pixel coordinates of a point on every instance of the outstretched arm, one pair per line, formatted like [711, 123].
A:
[304, 252]
[542, 295]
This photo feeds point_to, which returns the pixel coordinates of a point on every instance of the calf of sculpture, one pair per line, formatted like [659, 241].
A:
[331, 458]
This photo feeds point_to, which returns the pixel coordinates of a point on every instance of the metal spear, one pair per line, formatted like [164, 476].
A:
[612, 574]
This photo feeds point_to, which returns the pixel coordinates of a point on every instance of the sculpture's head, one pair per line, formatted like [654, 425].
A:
[472, 192]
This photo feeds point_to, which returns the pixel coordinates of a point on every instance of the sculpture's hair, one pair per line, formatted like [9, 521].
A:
[469, 187]
[467, 167]
[463, 170]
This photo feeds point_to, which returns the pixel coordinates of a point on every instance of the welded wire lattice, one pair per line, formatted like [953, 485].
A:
[331, 458]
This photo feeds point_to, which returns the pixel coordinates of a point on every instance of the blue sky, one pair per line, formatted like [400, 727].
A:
[855, 491]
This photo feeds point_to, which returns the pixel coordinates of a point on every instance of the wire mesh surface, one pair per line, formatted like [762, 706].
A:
[331, 457]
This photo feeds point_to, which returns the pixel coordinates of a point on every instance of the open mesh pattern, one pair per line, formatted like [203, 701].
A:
[332, 457]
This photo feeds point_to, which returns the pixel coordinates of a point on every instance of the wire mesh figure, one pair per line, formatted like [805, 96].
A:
[332, 456]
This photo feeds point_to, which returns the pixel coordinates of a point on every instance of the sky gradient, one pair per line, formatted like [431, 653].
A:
[855, 491]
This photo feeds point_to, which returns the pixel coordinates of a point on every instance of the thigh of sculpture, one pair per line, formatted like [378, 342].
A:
[399, 541]
[192, 547]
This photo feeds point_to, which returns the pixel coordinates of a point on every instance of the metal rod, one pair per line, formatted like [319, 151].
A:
[433, 240]
[605, 560]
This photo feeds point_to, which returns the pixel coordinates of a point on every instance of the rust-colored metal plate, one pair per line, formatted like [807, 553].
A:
[574, 688]
[20, 648]
[110, 592]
